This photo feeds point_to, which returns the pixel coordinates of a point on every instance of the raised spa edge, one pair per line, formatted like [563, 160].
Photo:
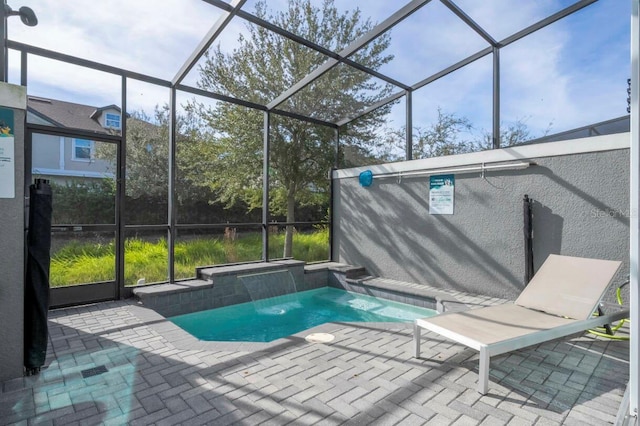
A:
[219, 286]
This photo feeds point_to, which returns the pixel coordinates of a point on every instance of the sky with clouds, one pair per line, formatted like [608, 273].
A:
[569, 74]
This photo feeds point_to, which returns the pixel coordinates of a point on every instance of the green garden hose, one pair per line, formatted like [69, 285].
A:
[610, 333]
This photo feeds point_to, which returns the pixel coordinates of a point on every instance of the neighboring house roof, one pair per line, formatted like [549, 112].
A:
[98, 112]
[68, 114]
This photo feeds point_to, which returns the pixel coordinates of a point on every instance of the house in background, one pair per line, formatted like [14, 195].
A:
[64, 159]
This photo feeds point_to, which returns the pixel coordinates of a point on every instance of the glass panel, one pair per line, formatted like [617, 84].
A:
[453, 114]
[253, 64]
[154, 39]
[501, 19]
[363, 145]
[206, 247]
[310, 242]
[147, 154]
[567, 75]
[146, 257]
[219, 161]
[427, 41]
[332, 34]
[80, 257]
[340, 93]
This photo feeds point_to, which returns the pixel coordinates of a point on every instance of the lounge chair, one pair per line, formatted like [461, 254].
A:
[559, 301]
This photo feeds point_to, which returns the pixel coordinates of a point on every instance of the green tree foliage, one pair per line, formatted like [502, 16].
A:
[263, 66]
[514, 133]
[84, 202]
[450, 135]
[444, 137]
[148, 155]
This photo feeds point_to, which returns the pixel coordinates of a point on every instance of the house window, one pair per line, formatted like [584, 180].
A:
[112, 121]
[82, 150]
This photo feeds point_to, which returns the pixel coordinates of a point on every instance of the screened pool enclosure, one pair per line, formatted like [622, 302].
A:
[181, 134]
[203, 132]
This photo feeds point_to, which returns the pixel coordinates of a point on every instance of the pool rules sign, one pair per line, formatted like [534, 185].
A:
[441, 194]
[7, 154]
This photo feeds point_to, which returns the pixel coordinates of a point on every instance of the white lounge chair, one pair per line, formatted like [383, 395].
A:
[559, 301]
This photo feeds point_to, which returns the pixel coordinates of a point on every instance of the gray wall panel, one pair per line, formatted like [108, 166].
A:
[581, 209]
[12, 266]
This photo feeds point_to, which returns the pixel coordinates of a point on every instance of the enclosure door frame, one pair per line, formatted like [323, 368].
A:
[80, 294]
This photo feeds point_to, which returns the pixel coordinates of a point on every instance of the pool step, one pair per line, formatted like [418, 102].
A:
[412, 293]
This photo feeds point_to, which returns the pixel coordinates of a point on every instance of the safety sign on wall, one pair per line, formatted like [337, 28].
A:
[7, 154]
[441, 194]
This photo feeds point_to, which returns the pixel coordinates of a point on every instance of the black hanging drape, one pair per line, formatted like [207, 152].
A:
[36, 299]
[528, 238]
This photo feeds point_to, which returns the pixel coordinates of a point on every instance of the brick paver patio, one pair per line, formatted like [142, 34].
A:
[367, 375]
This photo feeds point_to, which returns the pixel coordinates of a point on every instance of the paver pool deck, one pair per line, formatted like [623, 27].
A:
[367, 375]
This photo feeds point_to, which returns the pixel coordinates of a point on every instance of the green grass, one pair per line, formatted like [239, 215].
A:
[78, 263]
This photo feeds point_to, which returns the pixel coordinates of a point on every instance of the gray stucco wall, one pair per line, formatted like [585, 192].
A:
[12, 266]
[581, 209]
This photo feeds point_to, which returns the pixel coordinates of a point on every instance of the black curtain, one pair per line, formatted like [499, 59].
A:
[36, 299]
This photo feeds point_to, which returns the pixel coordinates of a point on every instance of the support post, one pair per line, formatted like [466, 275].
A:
[496, 98]
[634, 222]
[4, 53]
[416, 339]
[265, 186]
[121, 175]
[23, 68]
[336, 162]
[171, 235]
[409, 118]
[483, 371]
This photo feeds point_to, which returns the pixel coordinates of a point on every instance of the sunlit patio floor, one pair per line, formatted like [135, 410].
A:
[367, 375]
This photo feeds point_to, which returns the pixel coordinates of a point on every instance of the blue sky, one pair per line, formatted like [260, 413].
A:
[570, 74]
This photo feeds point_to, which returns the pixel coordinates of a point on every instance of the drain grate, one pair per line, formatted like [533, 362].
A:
[90, 372]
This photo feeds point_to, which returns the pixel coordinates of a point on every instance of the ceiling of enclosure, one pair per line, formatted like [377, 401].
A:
[330, 61]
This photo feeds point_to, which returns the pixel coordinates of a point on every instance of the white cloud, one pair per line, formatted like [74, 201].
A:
[545, 77]
[540, 83]
[144, 36]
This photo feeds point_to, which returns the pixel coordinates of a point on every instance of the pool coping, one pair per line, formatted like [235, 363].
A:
[340, 276]
[183, 340]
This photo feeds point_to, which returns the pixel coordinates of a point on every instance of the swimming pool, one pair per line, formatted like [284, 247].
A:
[270, 319]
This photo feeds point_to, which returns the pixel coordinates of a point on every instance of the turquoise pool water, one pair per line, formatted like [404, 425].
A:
[270, 319]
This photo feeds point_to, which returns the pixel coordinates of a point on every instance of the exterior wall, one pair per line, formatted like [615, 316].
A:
[12, 255]
[581, 208]
[98, 166]
[45, 153]
[49, 159]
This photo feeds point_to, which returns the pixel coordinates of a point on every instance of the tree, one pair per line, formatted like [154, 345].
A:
[147, 172]
[514, 133]
[148, 155]
[263, 66]
[445, 137]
